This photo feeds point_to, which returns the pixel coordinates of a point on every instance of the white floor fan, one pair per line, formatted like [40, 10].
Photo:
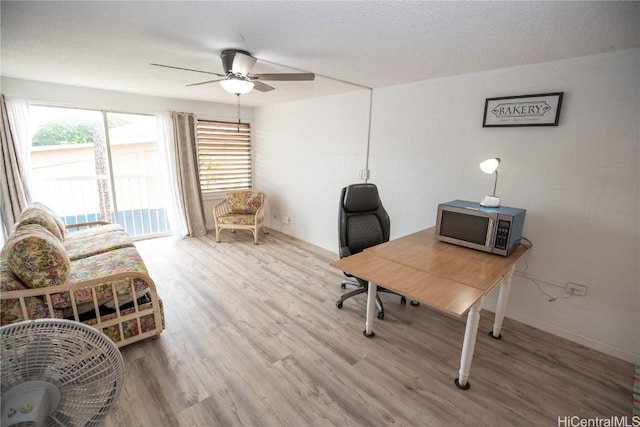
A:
[57, 373]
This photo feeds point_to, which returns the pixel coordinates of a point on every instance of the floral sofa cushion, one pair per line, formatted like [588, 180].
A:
[93, 241]
[237, 219]
[37, 213]
[244, 202]
[124, 260]
[36, 257]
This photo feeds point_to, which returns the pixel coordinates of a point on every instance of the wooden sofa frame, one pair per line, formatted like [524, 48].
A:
[136, 316]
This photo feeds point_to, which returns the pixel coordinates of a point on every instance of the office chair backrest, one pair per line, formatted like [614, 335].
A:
[363, 222]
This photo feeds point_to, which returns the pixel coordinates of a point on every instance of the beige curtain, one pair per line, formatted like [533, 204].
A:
[186, 150]
[14, 191]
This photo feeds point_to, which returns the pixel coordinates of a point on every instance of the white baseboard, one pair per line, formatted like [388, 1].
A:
[577, 338]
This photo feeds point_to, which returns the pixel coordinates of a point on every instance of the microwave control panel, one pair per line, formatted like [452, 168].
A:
[502, 234]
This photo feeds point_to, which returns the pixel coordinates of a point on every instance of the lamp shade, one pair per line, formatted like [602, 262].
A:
[237, 85]
[489, 166]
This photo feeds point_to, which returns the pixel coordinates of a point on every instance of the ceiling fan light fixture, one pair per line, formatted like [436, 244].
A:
[237, 86]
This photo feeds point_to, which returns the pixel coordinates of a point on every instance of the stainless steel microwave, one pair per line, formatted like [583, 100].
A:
[495, 230]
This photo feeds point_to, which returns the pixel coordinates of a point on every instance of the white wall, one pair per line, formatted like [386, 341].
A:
[305, 152]
[579, 181]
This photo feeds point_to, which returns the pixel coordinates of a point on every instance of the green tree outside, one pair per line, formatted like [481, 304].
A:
[57, 133]
[69, 132]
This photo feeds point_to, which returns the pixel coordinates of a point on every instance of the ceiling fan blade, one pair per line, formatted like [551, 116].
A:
[188, 69]
[262, 87]
[242, 63]
[284, 76]
[204, 83]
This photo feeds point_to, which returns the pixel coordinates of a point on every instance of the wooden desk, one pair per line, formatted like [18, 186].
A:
[446, 277]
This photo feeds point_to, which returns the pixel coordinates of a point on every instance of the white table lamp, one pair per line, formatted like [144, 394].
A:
[490, 166]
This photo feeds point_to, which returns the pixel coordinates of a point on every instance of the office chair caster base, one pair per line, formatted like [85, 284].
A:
[339, 304]
[381, 315]
[498, 337]
[462, 387]
[403, 300]
[371, 335]
[414, 303]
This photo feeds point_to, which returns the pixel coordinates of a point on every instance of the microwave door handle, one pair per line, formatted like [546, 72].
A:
[489, 240]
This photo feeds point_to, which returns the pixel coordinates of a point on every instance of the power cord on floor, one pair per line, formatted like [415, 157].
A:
[551, 298]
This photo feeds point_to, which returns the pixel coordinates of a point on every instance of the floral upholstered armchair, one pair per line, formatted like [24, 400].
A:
[240, 210]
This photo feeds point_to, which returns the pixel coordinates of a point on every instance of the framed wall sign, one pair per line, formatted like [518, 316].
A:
[526, 110]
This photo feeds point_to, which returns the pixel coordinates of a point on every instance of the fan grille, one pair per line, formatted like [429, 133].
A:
[83, 363]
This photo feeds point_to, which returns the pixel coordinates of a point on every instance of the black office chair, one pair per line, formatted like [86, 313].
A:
[362, 223]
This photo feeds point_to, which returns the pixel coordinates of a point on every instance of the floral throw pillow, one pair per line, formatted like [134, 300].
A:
[37, 213]
[36, 257]
[244, 202]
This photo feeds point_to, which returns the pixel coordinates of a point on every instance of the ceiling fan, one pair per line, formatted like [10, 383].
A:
[237, 77]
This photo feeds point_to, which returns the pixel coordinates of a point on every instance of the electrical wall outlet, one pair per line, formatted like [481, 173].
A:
[576, 289]
[363, 174]
[286, 220]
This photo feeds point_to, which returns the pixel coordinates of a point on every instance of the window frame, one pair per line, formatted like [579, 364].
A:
[116, 214]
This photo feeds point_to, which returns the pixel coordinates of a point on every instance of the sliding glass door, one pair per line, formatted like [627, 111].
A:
[91, 165]
[135, 161]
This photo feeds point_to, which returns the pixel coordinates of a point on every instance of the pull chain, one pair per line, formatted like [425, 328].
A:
[238, 98]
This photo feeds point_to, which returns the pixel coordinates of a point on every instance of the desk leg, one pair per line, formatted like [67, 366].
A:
[501, 307]
[371, 310]
[468, 345]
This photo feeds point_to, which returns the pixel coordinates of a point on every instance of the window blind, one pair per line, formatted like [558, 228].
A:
[224, 156]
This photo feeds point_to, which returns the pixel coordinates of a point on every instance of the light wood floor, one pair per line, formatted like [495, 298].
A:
[254, 338]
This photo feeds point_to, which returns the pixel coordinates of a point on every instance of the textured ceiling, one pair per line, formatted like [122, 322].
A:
[109, 45]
